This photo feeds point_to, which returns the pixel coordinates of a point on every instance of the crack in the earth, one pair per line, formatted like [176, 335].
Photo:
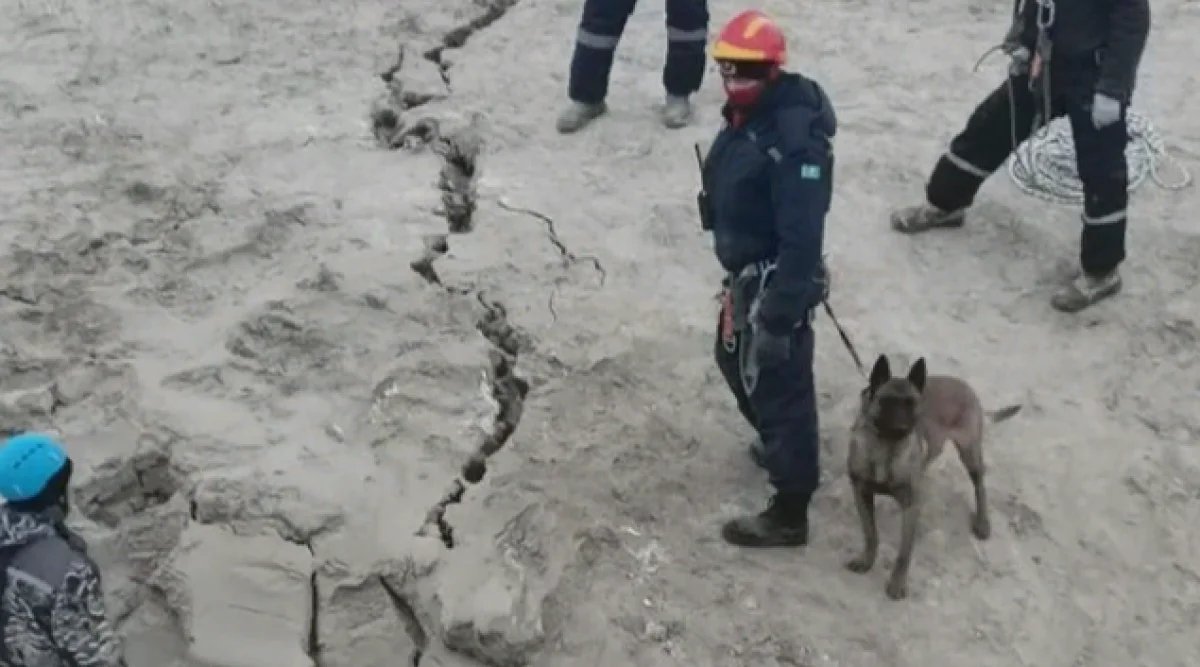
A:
[456, 180]
[393, 133]
[436, 245]
[412, 623]
[508, 391]
[460, 157]
[404, 98]
[568, 258]
[458, 37]
[460, 153]
[313, 647]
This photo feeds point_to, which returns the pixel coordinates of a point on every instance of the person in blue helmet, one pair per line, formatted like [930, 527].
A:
[52, 613]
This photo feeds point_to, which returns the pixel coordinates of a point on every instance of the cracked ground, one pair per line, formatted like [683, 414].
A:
[365, 366]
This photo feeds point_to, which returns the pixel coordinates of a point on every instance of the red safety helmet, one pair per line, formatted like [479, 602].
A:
[751, 37]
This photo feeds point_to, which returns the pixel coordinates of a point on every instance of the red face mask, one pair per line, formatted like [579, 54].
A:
[744, 83]
[742, 93]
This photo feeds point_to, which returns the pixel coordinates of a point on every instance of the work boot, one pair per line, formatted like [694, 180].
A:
[783, 524]
[677, 112]
[917, 219]
[577, 115]
[1085, 290]
[758, 452]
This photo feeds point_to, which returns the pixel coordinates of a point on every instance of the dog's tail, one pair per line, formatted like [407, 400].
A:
[1008, 412]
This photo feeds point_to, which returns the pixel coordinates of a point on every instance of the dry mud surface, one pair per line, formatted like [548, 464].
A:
[274, 344]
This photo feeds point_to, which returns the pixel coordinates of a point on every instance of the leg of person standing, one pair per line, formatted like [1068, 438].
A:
[595, 46]
[687, 35]
[1100, 154]
[785, 401]
[974, 154]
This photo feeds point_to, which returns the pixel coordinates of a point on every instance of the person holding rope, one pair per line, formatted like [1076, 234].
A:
[768, 183]
[1073, 58]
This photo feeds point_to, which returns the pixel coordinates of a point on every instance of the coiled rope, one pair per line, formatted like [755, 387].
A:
[1044, 165]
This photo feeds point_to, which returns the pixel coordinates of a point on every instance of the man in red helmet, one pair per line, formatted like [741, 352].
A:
[768, 183]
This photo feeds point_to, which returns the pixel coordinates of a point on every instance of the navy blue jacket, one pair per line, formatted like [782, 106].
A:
[1112, 33]
[769, 180]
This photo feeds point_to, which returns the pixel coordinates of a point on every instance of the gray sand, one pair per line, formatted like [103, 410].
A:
[207, 291]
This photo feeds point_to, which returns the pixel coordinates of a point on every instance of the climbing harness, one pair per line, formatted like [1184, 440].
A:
[1044, 165]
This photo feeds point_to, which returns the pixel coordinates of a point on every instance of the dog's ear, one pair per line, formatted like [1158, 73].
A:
[881, 372]
[917, 375]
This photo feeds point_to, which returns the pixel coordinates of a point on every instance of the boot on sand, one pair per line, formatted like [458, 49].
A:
[1085, 290]
[783, 524]
[677, 112]
[577, 115]
[917, 219]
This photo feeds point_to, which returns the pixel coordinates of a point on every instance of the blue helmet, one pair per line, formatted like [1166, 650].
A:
[27, 464]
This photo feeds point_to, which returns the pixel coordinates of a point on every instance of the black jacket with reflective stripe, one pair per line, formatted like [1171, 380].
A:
[1111, 33]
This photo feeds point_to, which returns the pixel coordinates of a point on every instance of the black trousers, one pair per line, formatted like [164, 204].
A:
[782, 407]
[600, 32]
[987, 140]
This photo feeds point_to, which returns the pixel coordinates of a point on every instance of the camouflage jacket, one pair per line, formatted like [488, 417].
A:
[52, 611]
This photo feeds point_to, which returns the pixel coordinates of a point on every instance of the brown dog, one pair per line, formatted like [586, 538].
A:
[902, 426]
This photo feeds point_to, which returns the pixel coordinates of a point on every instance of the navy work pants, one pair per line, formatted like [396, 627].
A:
[600, 31]
[987, 140]
[781, 406]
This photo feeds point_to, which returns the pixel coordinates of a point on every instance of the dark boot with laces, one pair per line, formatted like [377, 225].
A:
[783, 524]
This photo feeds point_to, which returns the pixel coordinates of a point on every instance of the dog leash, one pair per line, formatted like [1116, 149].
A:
[846, 342]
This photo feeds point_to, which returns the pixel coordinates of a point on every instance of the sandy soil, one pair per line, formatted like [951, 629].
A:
[273, 345]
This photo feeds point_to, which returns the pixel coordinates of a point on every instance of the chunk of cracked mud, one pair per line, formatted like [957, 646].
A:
[325, 280]
[243, 600]
[360, 626]
[105, 382]
[499, 622]
[415, 83]
[125, 484]
[276, 341]
[250, 496]
[432, 394]
[493, 597]
[131, 552]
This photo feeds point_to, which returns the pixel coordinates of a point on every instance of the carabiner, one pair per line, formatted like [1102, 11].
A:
[1045, 14]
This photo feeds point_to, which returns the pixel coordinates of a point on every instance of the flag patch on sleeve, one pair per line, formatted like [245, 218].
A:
[810, 172]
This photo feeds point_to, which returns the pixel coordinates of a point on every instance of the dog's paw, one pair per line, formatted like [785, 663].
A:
[860, 564]
[897, 589]
[981, 527]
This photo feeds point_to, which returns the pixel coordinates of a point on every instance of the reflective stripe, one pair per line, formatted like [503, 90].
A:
[966, 166]
[594, 41]
[678, 35]
[1109, 219]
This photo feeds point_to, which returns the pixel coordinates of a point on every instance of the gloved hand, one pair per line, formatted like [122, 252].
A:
[1019, 58]
[1105, 111]
[771, 349]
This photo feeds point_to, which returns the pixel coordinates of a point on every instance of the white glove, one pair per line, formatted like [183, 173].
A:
[1105, 111]
[1018, 61]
